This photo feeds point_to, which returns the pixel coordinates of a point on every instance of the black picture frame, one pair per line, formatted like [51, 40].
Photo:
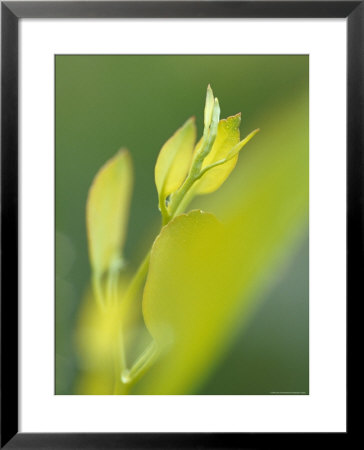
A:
[11, 12]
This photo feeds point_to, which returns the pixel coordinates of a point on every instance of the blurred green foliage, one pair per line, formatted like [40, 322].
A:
[104, 103]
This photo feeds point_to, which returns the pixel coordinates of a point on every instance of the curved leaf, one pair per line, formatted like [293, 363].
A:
[228, 135]
[174, 160]
[107, 211]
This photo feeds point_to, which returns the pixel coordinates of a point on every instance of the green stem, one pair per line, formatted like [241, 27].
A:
[121, 348]
[211, 166]
[185, 201]
[180, 194]
[119, 352]
[141, 365]
[163, 210]
[137, 281]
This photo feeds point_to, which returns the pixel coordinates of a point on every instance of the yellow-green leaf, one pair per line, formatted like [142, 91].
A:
[197, 269]
[228, 135]
[232, 153]
[107, 211]
[185, 292]
[174, 160]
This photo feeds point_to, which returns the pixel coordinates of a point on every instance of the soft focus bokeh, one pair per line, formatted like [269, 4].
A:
[104, 103]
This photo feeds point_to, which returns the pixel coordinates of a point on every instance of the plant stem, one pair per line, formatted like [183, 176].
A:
[136, 281]
[142, 364]
[163, 210]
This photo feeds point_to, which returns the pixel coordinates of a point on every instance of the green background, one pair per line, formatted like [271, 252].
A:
[104, 103]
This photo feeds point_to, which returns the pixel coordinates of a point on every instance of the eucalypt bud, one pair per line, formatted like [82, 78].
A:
[190, 169]
[209, 136]
[209, 106]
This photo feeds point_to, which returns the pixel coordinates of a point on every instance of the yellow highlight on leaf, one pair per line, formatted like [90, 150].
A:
[107, 211]
[174, 160]
[228, 135]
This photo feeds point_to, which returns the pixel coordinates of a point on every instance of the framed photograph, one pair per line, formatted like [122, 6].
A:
[181, 207]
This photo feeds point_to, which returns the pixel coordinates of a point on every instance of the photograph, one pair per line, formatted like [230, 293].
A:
[181, 224]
